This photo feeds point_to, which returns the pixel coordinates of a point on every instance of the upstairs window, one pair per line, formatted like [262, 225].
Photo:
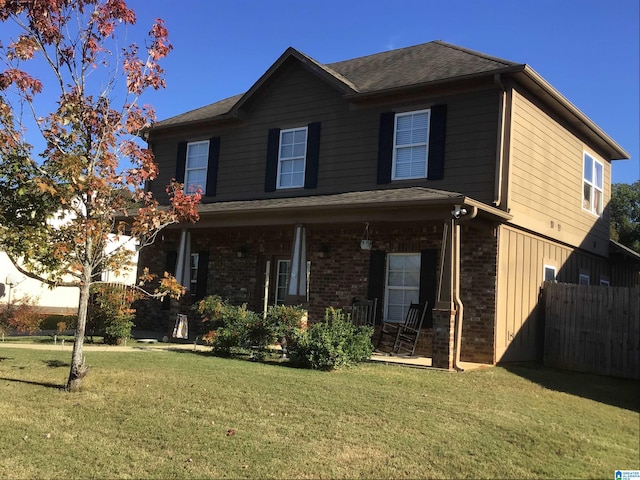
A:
[292, 158]
[592, 185]
[411, 145]
[195, 175]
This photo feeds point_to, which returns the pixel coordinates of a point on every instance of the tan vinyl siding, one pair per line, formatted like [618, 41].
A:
[348, 141]
[546, 180]
[521, 260]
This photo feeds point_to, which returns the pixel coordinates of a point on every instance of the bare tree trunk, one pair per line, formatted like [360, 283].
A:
[78, 369]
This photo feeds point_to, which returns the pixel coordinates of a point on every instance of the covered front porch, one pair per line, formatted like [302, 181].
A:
[248, 252]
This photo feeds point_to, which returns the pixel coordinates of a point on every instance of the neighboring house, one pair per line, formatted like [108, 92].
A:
[16, 287]
[425, 151]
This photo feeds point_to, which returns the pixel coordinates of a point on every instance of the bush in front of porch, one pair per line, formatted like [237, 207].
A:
[334, 343]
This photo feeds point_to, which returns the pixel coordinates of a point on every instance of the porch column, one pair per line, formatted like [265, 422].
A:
[444, 313]
[183, 263]
[297, 291]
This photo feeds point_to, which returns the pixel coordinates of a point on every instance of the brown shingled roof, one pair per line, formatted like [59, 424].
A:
[433, 61]
[428, 62]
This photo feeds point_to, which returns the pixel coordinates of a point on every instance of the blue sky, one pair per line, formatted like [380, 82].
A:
[587, 49]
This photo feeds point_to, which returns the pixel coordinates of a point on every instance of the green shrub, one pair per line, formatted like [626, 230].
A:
[332, 344]
[288, 323]
[51, 322]
[231, 326]
[110, 312]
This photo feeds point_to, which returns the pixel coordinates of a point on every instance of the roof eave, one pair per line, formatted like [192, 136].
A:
[530, 76]
[368, 95]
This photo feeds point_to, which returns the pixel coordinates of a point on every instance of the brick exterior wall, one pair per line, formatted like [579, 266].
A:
[339, 271]
[478, 283]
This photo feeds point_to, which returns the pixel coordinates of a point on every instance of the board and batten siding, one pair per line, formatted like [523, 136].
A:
[522, 257]
[546, 180]
[294, 97]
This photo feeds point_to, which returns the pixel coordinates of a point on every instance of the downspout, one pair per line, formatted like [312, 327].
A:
[457, 301]
[497, 201]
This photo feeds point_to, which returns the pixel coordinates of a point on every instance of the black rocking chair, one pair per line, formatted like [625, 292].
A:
[363, 312]
[397, 334]
[407, 337]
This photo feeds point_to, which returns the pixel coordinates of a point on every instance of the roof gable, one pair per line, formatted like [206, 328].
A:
[433, 61]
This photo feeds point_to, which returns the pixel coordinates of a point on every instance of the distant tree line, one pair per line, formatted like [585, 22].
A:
[625, 214]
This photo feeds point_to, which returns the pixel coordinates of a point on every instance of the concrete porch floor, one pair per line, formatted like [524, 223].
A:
[420, 362]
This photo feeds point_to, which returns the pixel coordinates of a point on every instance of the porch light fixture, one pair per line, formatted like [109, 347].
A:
[365, 242]
[458, 211]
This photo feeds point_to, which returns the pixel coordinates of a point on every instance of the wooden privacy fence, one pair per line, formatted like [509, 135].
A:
[593, 329]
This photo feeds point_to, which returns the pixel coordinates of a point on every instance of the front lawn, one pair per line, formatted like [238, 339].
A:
[168, 414]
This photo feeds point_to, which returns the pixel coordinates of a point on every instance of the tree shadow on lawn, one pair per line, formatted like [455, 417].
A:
[56, 386]
[618, 392]
[243, 357]
[56, 363]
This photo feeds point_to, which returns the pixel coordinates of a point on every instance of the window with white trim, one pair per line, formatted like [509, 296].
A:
[604, 282]
[592, 185]
[584, 279]
[292, 158]
[195, 173]
[411, 145]
[549, 273]
[282, 281]
[402, 285]
[195, 260]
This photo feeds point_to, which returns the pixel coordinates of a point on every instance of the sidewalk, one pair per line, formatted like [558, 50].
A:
[132, 346]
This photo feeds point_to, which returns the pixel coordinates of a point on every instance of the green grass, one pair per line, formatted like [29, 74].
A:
[167, 414]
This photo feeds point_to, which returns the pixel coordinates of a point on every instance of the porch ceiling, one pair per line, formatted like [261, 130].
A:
[398, 204]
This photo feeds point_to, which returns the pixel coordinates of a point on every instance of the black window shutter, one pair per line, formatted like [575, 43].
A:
[261, 264]
[437, 138]
[170, 267]
[385, 147]
[428, 282]
[203, 274]
[271, 175]
[212, 166]
[313, 156]
[377, 266]
[181, 164]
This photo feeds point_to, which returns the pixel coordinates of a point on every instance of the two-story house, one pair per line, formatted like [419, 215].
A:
[470, 177]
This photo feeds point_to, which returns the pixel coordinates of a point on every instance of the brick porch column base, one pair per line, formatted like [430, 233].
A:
[443, 338]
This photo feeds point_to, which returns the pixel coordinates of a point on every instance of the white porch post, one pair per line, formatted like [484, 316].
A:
[298, 274]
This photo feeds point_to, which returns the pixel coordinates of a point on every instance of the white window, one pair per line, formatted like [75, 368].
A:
[292, 158]
[403, 285]
[592, 185]
[604, 282]
[549, 273]
[411, 145]
[195, 174]
[195, 259]
[583, 279]
[282, 281]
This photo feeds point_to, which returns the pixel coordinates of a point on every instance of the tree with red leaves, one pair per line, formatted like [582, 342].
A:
[59, 206]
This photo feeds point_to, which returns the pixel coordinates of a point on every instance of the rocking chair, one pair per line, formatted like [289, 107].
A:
[399, 333]
[407, 337]
[363, 312]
